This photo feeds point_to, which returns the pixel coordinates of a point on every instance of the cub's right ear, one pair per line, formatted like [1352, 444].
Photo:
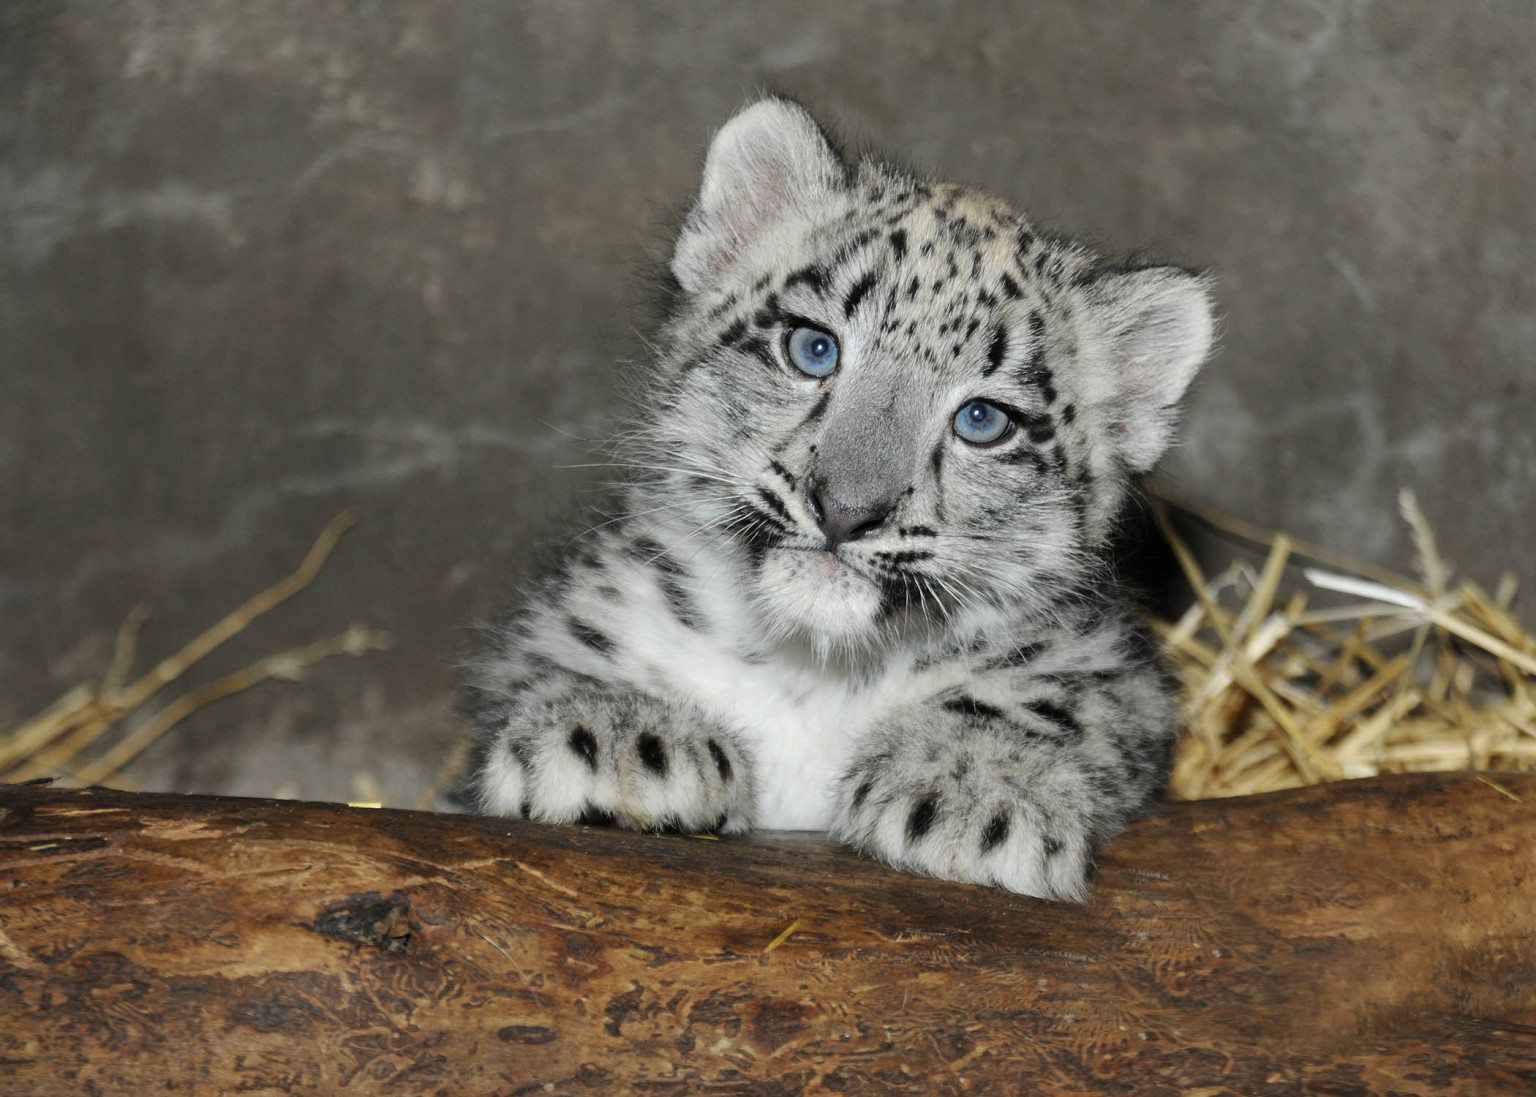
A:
[768, 160]
[1159, 325]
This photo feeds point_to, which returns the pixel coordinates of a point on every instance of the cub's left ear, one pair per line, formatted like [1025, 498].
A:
[768, 162]
[1158, 327]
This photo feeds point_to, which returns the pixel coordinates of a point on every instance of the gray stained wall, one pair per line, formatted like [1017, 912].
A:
[262, 262]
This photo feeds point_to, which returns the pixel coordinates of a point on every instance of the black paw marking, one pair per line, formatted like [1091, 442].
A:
[722, 763]
[921, 819]
[593, 817]
[652, 754]
[996, 832]
[584, 743]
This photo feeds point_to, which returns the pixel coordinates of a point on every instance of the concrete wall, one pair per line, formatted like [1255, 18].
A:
[260, 262]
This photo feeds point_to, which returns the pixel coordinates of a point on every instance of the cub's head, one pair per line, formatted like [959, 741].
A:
[894, 397]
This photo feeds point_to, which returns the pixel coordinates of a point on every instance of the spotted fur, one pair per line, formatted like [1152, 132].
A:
[819, 607]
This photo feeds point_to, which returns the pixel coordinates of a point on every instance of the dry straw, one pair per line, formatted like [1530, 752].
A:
[79, 738]
[1392, 675]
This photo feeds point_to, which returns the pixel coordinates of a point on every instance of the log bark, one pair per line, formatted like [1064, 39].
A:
[1374, 937]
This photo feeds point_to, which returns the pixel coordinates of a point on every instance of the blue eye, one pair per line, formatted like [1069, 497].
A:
[813, 352]
[981, 423]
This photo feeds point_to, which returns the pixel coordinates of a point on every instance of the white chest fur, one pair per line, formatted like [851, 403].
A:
[798, 723]
[799, 718]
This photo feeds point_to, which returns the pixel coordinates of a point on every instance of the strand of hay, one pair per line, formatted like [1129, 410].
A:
[56, 742]
[1407, 675]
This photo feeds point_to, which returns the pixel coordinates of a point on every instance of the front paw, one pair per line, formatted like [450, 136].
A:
[628, 760]
[974, 812]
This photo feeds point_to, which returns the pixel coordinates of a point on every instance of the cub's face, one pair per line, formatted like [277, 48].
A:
[894, 397]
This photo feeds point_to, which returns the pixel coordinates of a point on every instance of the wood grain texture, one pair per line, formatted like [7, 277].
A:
[1375, 937]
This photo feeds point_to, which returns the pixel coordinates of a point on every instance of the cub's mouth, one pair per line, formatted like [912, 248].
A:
[835, 571]
[827, 565]
[808, 591]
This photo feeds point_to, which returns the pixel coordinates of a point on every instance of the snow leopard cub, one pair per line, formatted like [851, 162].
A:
[859, 577]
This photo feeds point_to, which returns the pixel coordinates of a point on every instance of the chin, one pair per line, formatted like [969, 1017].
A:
[816, 596]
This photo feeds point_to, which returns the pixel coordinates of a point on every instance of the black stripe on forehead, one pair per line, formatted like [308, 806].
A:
[770, 313]
[996, 352]
[1037, 332]
[858, 240]
[1035, 364]
[731, 334]
[725, 305]
[813, 276]
[1036, 372]
[857, 293]
[759, 349]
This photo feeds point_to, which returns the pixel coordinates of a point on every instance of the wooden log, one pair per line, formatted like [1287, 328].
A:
[1375, 937]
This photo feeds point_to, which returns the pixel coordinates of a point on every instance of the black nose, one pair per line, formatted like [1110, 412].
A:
[839, 521]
